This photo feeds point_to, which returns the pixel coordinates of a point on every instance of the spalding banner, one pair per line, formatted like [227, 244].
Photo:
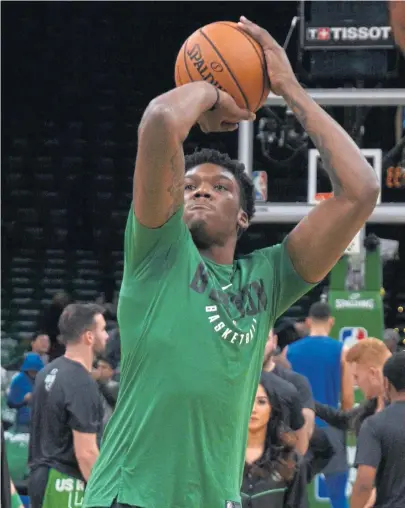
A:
[347, 37]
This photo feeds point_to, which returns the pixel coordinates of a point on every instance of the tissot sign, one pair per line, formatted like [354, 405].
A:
[347, 37]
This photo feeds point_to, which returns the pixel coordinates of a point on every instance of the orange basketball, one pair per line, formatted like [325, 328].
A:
[224, 55]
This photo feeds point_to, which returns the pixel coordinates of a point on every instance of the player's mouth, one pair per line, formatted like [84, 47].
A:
[201, 206]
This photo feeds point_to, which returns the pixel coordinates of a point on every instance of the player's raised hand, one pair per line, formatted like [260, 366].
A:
[225, 116]
[278, 66]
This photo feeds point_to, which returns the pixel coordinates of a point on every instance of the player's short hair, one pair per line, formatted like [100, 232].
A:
[76, 319]
[320, 311]
[394, 371]
[372, 352]
[211, 156]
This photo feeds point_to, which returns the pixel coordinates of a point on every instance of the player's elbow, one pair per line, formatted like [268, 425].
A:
[86, 459]
[372, 191]
[86, 455]
[368, 193]
[157, 117]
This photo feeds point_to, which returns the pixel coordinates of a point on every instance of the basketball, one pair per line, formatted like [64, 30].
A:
[225, 56]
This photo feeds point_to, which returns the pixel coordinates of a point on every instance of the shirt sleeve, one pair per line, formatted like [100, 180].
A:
[368, 445]
[288, 285]
[297, 420]
[15, 397]
[144, 245]
[303, 387]
[83, 408]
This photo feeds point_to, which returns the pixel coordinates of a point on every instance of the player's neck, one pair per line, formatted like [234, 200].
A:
[319, 331]
[220, 254]
[256, 439]
[80, 354]
[398, 397]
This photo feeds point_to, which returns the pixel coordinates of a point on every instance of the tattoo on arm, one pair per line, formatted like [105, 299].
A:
[320, 143]
[176, 188]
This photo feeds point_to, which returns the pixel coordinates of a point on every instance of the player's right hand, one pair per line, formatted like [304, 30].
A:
[225, 117]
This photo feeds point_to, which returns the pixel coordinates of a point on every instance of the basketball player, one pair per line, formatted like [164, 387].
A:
[194, 320]
[67, 413]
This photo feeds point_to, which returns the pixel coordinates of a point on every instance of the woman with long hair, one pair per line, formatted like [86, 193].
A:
[275, 475]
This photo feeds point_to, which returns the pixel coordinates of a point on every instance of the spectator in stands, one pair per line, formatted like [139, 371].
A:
[290, 400]
[103, 373]
[392, 339]
[300, 383]
[49, 323]
[271, 463]
[40, 344]
[20, 391]
[274, 475]
[321, 360]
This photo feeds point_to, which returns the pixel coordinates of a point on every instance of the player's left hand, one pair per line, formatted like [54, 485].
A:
[279, 68]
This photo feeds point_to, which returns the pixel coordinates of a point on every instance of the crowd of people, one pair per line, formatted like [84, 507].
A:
[303, 409]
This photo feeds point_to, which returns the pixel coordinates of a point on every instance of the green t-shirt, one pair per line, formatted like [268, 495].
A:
[192, 340]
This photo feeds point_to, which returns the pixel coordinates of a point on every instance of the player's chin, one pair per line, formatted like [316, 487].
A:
[202, 230]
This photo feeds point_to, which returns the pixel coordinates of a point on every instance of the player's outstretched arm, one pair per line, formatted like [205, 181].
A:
[159, 171]
[319, 240]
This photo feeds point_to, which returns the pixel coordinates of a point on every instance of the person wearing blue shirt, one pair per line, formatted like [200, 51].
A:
[20, 390]
[321, 360]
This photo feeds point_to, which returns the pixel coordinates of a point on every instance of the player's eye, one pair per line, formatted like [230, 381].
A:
[189, 186]
[220, 187]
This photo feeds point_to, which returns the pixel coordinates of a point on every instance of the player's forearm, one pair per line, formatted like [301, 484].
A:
[86, 460]
[180, 108]
[302, 440]
[348, 170]
[361, 495]
[347, 400]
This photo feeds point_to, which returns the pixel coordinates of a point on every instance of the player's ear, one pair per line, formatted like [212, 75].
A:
[243, 221]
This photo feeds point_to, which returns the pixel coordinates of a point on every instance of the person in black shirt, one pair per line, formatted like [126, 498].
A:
[275, 475]
[67, 413]
[367, 359]
[289, 398]
[380, 457]
[302, 386]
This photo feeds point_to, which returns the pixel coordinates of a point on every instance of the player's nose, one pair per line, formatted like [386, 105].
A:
[203, 192]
